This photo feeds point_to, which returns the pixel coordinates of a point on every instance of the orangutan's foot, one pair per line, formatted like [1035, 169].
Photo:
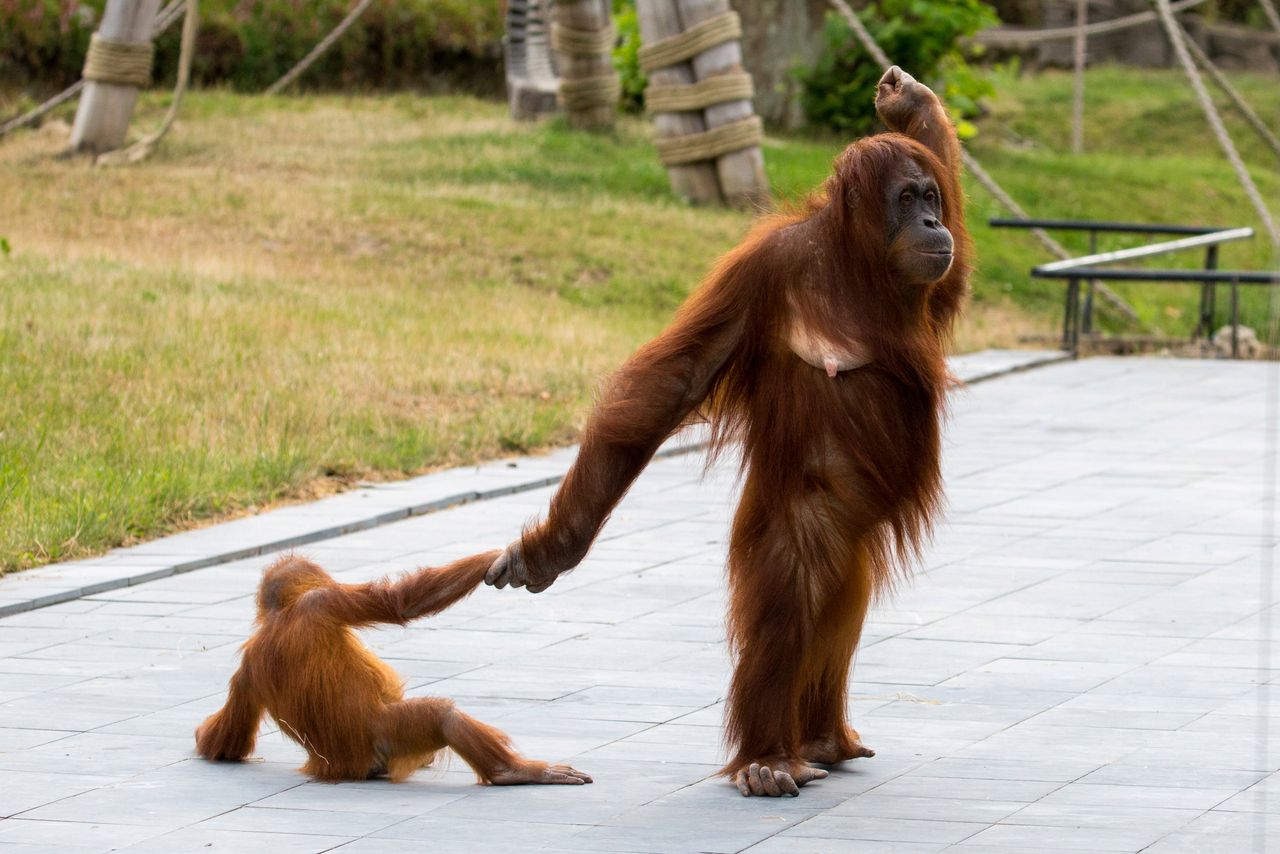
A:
[775, 778]
[830, 750]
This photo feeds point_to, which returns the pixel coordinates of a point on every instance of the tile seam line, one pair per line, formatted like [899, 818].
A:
[387, 517]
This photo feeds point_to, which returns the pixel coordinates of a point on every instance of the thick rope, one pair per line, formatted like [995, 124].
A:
[708, 145]
[166, 16]
[677, 97]
[994, 37]
[575, 42]
[980, 174]
[1236, 99]
[690, 43]
[588, 92]
[1215, 121]
[1077, 95]
[35, 113]
[143, 147]
[319, 50]
[120, 63]
[1269, 9]
[163, 21]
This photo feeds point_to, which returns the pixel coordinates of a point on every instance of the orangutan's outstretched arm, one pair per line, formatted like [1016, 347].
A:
[909, 107]
[644, 403]
[420, 593]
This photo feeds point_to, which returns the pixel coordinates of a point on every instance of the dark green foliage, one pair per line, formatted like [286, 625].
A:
[248, 44]
[922, 36]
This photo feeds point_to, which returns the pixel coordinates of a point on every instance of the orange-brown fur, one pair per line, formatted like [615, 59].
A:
[305, 667]
[842, 475]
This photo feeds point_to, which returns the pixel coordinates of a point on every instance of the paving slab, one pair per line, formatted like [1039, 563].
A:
[1085, 661]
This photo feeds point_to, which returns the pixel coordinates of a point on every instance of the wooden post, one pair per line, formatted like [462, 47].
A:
[742, 177]
[696, 182]
[102, 119]
[531, 75]
[588, 81]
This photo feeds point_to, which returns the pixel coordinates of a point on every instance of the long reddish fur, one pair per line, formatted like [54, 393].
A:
[305, 667]
[842, 476]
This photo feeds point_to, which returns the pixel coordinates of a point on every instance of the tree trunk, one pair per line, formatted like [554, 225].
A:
[102, 119]
[778, 36]
[742, 177]
[574, 66]
[697, 182]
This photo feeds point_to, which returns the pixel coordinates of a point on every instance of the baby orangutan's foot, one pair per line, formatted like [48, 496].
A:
[830, 750]
[776, 778]
[540, 773]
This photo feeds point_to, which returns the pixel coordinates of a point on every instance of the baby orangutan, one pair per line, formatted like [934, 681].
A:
[305, 667]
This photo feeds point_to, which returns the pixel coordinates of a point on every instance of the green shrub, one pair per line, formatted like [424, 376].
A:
[922, 36]
[248, 44]
[626, 56]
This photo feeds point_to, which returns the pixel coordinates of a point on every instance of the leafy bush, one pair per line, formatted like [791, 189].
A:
[626, 56]
[920, 35]
[248, 44]
[45, 38]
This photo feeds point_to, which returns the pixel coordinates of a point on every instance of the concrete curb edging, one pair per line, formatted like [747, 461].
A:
[338, 515]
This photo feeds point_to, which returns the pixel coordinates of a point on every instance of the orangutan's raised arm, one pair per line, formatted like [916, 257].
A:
[643, 404]
[909, 107]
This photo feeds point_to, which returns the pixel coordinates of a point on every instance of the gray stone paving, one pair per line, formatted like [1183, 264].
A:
[361, 509]
[1075, 669]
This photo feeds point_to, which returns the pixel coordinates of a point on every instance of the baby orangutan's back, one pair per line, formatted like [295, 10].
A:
[305, 667]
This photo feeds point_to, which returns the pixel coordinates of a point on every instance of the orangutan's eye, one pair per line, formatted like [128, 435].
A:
[930, 196]
[906, 198]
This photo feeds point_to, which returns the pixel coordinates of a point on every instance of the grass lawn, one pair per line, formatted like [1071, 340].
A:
[297, 293]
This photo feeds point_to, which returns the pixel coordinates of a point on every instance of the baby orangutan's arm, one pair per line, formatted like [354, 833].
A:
[231, 732]
[418, 594]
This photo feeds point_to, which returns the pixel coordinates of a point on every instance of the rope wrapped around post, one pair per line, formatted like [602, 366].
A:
[576, 42]
[583, 36]
[691, 42]
[708, 145]
[121, 63]
[589, 92]
[672, 97]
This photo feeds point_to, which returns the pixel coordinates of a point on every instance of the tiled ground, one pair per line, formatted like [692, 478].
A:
[1078, 669]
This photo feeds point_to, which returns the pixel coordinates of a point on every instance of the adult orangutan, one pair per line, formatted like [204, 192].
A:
[818, 344]
[329, 693]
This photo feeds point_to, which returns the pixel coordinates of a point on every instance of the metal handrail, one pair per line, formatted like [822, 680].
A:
[1211, 238]
[1084, 269]
[1239, 277]
[1101, 225]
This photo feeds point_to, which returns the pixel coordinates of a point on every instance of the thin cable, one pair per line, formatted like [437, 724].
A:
[1077, 99]
[1235, 97]
[319, 50]
[1215, 121]
[141, 149]
[1269, 9]
[1000, 36]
